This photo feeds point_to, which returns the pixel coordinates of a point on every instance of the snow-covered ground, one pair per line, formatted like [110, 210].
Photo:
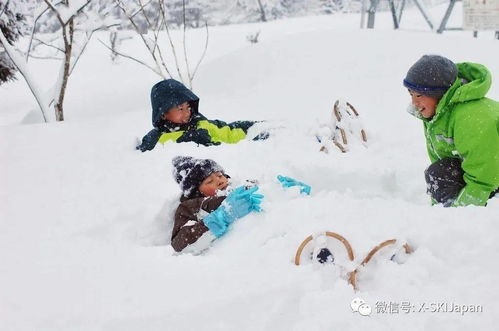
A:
[84, 218]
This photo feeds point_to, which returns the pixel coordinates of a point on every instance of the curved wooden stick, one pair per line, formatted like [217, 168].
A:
[376, 249]
[337, 114]
[343, 134]
[353, 274]
[345, 242]
[336, 111]
[340, 146]
[363, 133]
[353, 109]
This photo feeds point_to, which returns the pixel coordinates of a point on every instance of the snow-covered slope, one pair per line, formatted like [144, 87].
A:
[84, 218]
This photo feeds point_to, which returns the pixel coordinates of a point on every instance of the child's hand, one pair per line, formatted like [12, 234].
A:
[238, 203]
[290, 182]
[242, 201]
[150, 140]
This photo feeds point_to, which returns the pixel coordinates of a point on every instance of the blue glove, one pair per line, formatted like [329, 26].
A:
[241, 202]
[150, 140]
[216, 222]
[238, 203]
[289, 182]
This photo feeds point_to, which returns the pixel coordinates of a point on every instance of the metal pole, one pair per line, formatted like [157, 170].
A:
[402, 5]
[371, 14]
[446, 16]
[363, 13]
[394, 14]
[425, 15]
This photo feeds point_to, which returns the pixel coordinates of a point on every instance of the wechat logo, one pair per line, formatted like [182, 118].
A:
[360, 306]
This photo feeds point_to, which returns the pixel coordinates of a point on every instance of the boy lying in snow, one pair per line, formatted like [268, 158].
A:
[207, 205]
[175, 117]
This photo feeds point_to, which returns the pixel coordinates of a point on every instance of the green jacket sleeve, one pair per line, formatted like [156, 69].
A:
[477, 141]
[221, 132]
[431, 153]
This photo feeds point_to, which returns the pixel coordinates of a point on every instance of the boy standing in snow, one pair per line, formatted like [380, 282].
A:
[175, 117]
[206, 210]
[461, 129]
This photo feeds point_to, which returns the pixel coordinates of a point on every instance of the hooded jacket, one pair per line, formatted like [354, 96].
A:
[466, 127]
[171, 93]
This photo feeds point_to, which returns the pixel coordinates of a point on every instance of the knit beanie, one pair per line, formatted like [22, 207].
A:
[190, 173]
[431, 75]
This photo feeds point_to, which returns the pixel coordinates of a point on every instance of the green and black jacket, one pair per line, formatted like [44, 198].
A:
[204, 131]
[170, 93]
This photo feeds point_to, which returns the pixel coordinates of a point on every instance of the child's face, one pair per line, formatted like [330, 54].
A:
[213, 183]
[424, 104]
[179, 114]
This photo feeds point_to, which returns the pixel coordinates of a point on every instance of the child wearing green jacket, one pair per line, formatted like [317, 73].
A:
[175, 117]
[461, 129]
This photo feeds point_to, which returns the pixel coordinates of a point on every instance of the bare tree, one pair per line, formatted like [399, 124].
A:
[263, 17]
[155, 40]
[76, 24]
[12, 24]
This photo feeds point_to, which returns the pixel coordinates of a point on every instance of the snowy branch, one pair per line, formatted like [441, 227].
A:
[33, 32]
[46, 44]
[185, 46]
[89, 35]
[130, 57]
[21, 65]
[204, 52]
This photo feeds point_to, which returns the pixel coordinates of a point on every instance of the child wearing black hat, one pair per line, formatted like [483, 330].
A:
[461, 129]
[207, 208]
[175, 117]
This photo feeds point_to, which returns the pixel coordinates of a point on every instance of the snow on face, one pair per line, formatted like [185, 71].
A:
[213, 183]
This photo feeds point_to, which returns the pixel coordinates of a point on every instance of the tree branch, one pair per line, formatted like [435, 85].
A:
[4, 8]
[46, 57]
[185, 47]
[204, 52]
[11, 52]
[131, 58]
[162, 9]
[33, 32]
[135, 26]
[142, 9]
[87, 40]
[48, 45]
[56, 12]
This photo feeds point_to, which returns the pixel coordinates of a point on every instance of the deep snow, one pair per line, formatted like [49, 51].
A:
[84, 217]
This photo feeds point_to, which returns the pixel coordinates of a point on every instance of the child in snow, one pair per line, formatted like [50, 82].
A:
[175, 117]
[206, 208]
[461, 129]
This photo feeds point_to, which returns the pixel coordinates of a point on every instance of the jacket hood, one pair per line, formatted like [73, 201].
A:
[167, 94]
[475, 82]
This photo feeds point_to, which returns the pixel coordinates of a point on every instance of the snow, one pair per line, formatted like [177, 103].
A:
[24, 69]
[85, 218]
[66, 12]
